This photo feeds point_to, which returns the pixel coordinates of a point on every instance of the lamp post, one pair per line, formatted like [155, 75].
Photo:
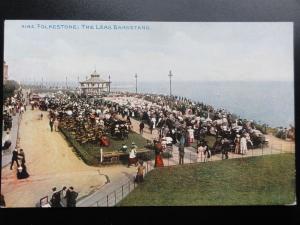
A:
[135, 83]
[170, 75]
[109, 83]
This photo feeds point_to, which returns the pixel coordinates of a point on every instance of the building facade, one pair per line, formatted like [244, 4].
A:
[5, 71]
[94, 85]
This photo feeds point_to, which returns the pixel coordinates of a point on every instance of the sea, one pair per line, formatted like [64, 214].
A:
[269, 102]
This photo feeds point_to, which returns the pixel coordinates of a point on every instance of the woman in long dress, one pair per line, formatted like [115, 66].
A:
[200, 152]
[22, 172]
[243, 145]
[237, 144]
[158, 158]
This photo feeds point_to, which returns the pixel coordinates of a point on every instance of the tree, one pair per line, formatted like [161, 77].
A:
[9, 88]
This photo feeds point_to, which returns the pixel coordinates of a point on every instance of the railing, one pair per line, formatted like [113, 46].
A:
[114, 197]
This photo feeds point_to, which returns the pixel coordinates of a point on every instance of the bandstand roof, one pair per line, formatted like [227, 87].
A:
[95, 78]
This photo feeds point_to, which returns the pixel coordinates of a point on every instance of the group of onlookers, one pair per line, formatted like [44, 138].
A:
[64, 197]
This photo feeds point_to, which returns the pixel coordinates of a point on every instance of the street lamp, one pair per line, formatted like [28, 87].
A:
[170, 75]
[135, 83]
[109, 83]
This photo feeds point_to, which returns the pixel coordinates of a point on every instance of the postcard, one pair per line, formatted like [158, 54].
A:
[125, 113]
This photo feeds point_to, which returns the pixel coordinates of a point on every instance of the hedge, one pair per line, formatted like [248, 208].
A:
[84, 155]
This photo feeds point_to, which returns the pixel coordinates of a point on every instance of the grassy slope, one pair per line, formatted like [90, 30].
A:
[116, 144]
[249, 181]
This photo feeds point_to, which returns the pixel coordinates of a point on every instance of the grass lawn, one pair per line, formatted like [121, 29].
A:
[210, 141]
[259, 180]
[116, 144]
[90, 152]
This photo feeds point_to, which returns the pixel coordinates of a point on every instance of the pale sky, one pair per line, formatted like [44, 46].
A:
[193, 51]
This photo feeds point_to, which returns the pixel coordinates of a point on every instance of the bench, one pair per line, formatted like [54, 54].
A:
[114, 157]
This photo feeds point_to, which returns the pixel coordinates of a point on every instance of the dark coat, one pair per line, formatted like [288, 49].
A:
[15, 155]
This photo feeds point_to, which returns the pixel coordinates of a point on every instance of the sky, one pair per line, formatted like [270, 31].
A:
[202, 51]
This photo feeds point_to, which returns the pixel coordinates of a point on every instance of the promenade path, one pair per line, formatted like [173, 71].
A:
[7, 154]
[51, 162]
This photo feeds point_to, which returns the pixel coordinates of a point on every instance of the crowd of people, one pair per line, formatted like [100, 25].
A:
[64, 197]
[89, 119]
[92, 119]
[11, 107]
[175, 117]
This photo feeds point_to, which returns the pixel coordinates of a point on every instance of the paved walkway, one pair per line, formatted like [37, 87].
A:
[7, 154]
[50, 162]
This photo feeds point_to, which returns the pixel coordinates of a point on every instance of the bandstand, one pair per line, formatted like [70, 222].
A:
[95, 85]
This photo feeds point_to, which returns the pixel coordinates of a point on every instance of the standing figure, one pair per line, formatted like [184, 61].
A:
[124, 148]
[158, 158]
[207, 152]
[22, 172]
[56, 123]
[225, 148]
[181, 154]
[71, 197]
[153, 119]
[142, 125]
[200, 151]
[51, 122]
[63, 198]
[243, 146]
[21, 156]
[132, 156]
[55, 199]
[14, 158]
[151, 126]
[140, 173]
[190, 132]
[237, 144]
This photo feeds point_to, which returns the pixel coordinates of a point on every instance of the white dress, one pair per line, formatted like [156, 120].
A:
[132, 154]
[243, 145]
[154, 122]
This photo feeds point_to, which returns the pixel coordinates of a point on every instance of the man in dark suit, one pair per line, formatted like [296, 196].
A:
[71, 197]
[142, 125]
[55, 199]
[51, 122]
[14, 158]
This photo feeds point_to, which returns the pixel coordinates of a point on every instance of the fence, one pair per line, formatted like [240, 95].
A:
[114, 197]
[190, 157]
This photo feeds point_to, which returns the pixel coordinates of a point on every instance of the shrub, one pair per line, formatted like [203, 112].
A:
[84, 155]
[9, 87]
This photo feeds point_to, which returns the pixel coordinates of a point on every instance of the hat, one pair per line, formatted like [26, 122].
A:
[238, 135]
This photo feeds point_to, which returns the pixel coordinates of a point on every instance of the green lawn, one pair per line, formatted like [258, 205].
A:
[116, 144]
[210, 141]
[250, 181]
[90, 152]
